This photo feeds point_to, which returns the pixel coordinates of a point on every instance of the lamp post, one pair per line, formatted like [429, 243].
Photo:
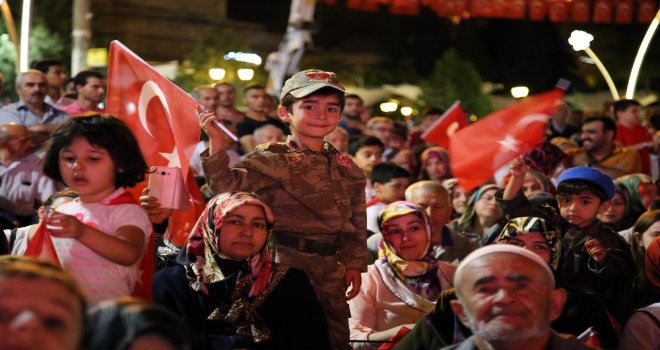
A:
[637, 64]
[580, 41]
[24, 57]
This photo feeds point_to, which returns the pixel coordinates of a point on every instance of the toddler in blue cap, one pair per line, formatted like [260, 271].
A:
[594, 257]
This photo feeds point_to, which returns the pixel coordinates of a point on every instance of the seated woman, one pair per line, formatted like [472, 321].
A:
[230, 294]
[483, 218]
[133, 324]
[403, 284]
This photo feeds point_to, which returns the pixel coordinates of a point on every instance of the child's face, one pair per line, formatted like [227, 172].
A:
[392, 191]
[313, 118]
[368, 157]
[88, 170]
[630, 115]
[580, 209]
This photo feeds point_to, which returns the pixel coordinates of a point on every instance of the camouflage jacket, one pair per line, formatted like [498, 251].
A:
[314, 195]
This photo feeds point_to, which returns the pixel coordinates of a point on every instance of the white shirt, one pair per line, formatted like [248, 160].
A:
[24, 186]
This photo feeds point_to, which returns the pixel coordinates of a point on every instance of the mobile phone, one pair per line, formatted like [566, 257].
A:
[166, 184]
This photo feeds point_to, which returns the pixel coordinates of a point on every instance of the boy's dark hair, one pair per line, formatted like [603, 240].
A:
[576, 187]
[654, 120]
[384, 172]
[608, 123]
[65, 193]
[622, 105]
[81, 78]
[253, 87]
[44, 65]
[104, 131]
[433, 111]
[355, 97]
[357, 142]
[289, 100]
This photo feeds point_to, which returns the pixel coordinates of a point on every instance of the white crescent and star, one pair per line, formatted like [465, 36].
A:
[510, 143]
[150, 90]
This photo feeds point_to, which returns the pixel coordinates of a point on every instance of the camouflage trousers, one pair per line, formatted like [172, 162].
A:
[326, 273]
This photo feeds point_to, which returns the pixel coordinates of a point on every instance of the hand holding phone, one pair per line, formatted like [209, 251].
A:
[166, 184]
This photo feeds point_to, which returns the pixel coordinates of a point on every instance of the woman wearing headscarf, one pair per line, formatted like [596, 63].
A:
[404, 283]
[229, 292]
[483, 217]
[434, 164]
[617, 215]
[642, 190]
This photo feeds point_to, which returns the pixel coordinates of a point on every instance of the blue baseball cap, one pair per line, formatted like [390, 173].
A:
[592, 175]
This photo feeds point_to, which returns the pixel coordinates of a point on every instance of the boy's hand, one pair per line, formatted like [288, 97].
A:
[151, 205]
[352, 279]
[596, 250]
[518, 167]
[218, 139]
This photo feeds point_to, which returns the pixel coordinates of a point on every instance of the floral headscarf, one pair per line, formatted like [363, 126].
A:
[419, 274]
[203, 242]
[528, 224]
[545, 158]
[631, 183]
[434, 152]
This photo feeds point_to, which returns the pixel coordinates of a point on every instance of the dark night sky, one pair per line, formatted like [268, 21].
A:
[505, 51]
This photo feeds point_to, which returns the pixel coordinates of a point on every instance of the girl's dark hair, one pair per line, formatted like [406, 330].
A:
[289, 100]
[103, 131]
[116, 324]
[576, 187]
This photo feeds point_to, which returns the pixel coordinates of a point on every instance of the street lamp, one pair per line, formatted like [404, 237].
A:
[637, 65]
[216, 73]
[245, 74]
[389, 107]
[25, 36]
[519, 91]
[580, 41]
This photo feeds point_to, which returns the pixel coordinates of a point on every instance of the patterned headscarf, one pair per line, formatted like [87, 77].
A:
[418, 274]
[545, 158]
[631, 183]
[434, 152]
[528, 224]
[203, 243]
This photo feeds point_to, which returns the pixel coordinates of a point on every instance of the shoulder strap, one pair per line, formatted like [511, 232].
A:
[652, 316]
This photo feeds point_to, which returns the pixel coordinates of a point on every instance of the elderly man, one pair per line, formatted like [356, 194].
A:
[507, 296]
[23, 186]
[600, 151]
[32, 111]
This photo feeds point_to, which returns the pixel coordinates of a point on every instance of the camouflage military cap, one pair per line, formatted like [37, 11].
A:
[304, 83]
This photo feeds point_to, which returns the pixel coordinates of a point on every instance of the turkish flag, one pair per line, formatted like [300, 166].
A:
[478, 150]
[41, 246]
[444, 127]
[164, 121]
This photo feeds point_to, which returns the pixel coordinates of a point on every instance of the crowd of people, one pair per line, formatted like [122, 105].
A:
[324, 228]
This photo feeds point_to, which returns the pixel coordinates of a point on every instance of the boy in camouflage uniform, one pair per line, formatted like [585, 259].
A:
[316, 192]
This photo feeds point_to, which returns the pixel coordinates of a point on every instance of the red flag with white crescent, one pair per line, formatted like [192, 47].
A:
[481, 148]
[41, 245]
[446, 126]
[163, 119]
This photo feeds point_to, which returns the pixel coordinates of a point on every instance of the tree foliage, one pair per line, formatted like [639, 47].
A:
[455, 79]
